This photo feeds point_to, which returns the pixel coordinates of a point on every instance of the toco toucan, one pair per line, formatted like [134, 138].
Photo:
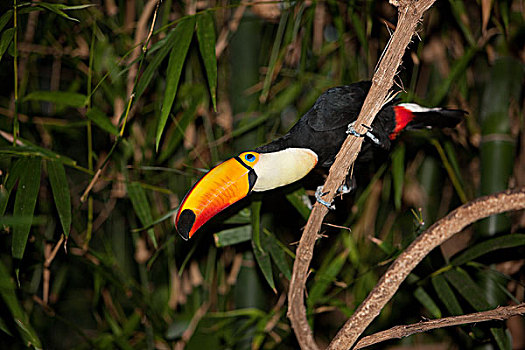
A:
[314, 140]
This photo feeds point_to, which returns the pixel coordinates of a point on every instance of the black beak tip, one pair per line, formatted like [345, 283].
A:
[185, 223]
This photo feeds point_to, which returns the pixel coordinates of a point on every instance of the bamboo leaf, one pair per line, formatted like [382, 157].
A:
[60, 188]
[30, 150]
[263, 260]
[277, 253]
[98, 117]
[7, 291]
[206, 38]
[4, 328]
[66, 98]
[424, 298]
[468, 289]
[300, 201]
[25, 201]
[6, 40]
[233, 236]
[398, 173]
[325, 277]
[261, 255]
[12, 177]
[507, 241]
[274, 55]
[165, 47]
[183, 34]
[8, 220]
[6, 17]
[60, 8]
[182, 122]
[446, 295]
[140, 203]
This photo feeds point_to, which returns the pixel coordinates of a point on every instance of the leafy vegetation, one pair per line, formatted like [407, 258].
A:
[111, 110]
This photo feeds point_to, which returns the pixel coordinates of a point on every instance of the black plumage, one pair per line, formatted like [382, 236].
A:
[323, 128]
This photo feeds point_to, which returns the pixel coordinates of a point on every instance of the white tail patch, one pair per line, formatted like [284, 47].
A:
[414, 108]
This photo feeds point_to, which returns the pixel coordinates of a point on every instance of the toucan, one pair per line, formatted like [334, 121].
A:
[313, 141]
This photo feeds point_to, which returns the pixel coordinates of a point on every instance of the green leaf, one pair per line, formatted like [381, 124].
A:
[7, 291]
[261, 256]
[142, 208]
[233, 236]
[240, 218]
[25, 201]
[446, 295]
[475, 296]
[30, 150]
[8, 220]
[206, 38]
[12, 177]
[5, 41]
[5, 19]
[299, 200]
[501, 337]
[325, 277]
[4, 328]
[263, 260]
[277, 253]
[507, 241]
[425, 300]
[165, 46]
[183, 34]
[398, 173]
[182, 123]
[60, 8]
[66, 98]
[60, 188]
[98, 117]
[468, 289]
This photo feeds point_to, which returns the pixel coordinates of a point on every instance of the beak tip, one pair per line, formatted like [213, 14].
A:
[184, 223]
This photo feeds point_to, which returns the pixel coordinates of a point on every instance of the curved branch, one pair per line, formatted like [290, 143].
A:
[500, 313]
[442, 230]
[410, 12]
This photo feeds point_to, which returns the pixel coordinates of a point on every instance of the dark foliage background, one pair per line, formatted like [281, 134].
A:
[80, 94]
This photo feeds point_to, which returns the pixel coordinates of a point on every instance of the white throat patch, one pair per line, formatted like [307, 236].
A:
[281, 168]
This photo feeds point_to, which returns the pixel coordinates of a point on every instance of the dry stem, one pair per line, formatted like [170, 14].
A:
[442, 230]
[410, 13]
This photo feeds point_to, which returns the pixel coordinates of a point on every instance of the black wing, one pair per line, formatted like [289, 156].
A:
[337, 107]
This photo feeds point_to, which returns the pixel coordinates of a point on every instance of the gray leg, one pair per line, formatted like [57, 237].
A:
[368, 134]
[318, 194]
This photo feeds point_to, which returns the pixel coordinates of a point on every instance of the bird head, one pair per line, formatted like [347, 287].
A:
[235, 178]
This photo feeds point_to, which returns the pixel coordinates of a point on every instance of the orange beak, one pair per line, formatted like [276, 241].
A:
[222, 186]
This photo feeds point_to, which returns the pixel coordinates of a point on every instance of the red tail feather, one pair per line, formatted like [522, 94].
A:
[403, 117]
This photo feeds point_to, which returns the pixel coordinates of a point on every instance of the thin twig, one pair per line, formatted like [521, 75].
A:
[46, 273]
[500, 313]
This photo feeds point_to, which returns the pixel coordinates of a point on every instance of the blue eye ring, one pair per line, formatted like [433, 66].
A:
[249, 157]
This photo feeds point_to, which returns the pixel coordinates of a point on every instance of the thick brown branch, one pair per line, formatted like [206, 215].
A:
[500, 313]
[410, 12]
[442, 230]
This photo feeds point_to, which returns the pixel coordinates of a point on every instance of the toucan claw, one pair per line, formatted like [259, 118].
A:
[368, 133]
[344, 189]
[318, 194]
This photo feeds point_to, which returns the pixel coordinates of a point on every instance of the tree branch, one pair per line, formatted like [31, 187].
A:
[500, 313]
[442, 230]
[410, 12]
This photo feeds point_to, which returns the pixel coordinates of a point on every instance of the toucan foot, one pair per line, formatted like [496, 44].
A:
[367, 134]
[318, 194]
[344, 189]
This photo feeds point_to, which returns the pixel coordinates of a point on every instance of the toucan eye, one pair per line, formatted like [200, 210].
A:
[249, 157]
